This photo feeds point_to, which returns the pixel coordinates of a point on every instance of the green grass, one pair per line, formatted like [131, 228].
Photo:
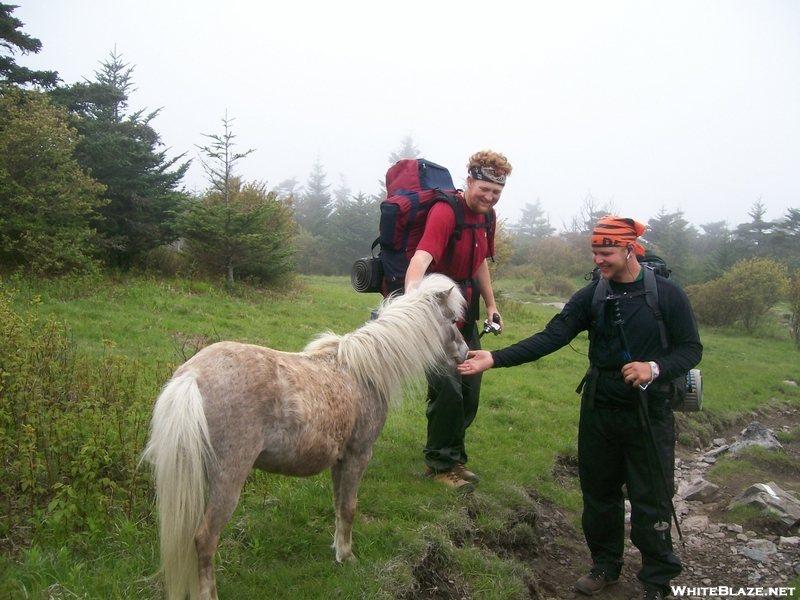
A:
[755, 464]
[277, 543]
[166, 320]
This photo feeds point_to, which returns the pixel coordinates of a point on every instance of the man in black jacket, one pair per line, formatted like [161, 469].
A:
[626, 421]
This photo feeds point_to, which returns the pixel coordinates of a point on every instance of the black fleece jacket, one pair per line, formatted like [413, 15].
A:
[605, 348]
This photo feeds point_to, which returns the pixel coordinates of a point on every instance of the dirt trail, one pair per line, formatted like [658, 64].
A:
[710, 557]
[543, 539]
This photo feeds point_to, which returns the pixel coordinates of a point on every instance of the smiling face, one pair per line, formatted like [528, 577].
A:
[481, 195]
[616, 263]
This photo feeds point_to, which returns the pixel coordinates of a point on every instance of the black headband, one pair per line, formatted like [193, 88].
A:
[487, 174]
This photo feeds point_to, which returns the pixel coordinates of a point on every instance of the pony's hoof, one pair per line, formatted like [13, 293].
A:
[348, 558]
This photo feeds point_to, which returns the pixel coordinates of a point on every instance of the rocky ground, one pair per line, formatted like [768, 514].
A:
[715, 551]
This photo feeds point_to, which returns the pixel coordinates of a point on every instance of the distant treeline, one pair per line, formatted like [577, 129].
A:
[85, 185]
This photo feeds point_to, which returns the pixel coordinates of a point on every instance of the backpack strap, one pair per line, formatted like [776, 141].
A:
[651, 296]
[603, 290]
[458, 210]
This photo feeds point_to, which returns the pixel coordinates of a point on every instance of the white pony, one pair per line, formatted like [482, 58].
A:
[233, 407]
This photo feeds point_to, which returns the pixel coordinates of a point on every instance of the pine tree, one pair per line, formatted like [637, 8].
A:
[12, 41]
[406, 149]
[121, 150]
[313, 207]
[236, 227]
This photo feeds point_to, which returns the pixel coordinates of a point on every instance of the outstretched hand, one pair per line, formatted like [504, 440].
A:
[477, 361]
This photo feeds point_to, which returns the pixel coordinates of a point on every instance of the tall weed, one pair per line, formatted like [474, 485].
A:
[71, 431]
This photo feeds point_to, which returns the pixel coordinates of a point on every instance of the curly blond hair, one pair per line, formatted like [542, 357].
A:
[490, 158]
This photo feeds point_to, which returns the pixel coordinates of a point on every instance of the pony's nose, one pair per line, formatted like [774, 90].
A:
[461, 355]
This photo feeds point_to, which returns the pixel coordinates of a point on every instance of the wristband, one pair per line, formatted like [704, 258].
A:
[654, 370]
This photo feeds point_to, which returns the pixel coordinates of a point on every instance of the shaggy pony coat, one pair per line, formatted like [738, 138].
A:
[233, 407]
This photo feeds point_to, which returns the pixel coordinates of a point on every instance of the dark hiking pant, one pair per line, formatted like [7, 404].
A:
[614, 449]
[452, 406]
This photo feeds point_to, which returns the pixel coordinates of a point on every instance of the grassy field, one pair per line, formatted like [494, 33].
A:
[277, 545]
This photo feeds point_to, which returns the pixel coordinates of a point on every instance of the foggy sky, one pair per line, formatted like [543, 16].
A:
[687, 105]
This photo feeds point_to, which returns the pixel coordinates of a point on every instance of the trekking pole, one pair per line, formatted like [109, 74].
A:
[662, 525]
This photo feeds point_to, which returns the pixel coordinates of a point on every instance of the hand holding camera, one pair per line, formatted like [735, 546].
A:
[492, 326]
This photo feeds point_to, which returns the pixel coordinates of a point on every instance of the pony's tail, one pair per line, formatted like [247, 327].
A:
[179, 450]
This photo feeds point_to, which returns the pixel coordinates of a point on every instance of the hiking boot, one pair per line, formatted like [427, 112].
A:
[593, 583]
[654, 592]
[462, 472]
[450, 479]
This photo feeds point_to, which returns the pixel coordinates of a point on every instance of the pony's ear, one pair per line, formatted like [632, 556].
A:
[441, 297]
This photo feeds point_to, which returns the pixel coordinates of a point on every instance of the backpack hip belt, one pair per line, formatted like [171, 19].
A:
[593, 374]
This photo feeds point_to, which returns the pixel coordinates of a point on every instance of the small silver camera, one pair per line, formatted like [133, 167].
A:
[492, 326]
[489, 327]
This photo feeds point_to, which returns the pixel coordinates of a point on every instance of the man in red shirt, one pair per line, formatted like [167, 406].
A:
[453, 398]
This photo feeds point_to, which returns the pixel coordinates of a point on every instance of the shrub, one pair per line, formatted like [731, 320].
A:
[71, 431]
[46, 200]
[745, 293]
[711, 303]
[164, 260]
[794, 303]
[559, 286]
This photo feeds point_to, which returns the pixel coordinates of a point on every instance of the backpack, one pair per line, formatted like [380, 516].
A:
[413, 186]
[686, 389]
[603, 290]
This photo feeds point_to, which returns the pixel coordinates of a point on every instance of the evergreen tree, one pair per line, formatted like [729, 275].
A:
[11, 41]
[352, 229]
[287, 187]
[313, 207]
[406, 149]
[342, 193]
[784, 242]
[534, 223]
[121, 151]
[237, 227]
[532, 226]
[673, 239]
[753, 235]
[716, 250]
[242, 230]
[220, 161]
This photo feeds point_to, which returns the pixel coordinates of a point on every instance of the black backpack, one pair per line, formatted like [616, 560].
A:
[687, 389]
[603, 290]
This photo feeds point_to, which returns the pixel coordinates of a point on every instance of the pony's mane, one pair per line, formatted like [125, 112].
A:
[405, 339]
